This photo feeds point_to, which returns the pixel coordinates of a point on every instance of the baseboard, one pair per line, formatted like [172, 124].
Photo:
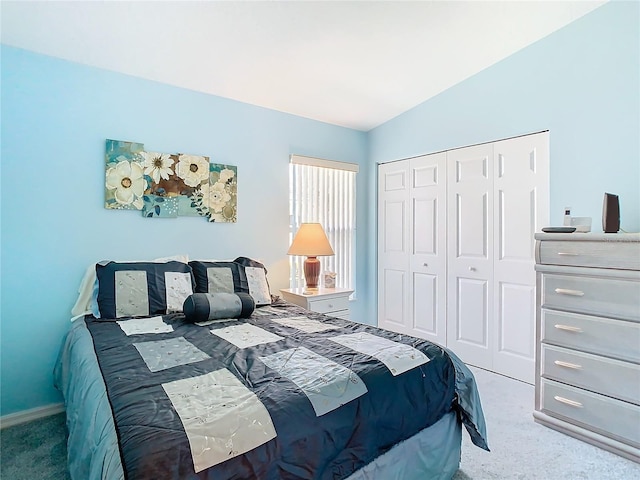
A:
[28, 415]
[610, 444]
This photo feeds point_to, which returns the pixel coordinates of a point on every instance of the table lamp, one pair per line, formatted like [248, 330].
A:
[311, 241]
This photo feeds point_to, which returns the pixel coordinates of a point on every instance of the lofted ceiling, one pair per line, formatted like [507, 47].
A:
[351, 63]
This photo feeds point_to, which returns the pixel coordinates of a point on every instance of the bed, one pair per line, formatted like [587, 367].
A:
[282, 393]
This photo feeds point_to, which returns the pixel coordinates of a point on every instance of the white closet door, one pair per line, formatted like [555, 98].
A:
[428, 256]
[522, 208]
[393, 246]
[470, 253]
[456, 249]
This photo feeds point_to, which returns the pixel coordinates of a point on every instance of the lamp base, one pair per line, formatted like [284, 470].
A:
[311, 273]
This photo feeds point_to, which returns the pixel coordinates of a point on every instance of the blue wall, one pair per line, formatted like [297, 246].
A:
[56, 116]
[582, 83]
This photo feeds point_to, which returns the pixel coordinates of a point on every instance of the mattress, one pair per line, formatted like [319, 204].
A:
[286, 393]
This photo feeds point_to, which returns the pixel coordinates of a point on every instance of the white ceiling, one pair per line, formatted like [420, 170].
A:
[351, 63]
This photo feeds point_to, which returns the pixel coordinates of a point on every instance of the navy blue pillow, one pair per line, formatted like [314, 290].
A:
[138, 289]
[216, 277]
[201, 307]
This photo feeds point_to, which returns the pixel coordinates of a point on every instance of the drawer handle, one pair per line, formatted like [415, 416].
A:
[568, 254]
[568, 328]
[575, 366]
[566, 401]
[566, 291]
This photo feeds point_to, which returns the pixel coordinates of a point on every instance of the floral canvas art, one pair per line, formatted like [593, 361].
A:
[169, 185]
[125, 183]
[220, 196]
[174, 181]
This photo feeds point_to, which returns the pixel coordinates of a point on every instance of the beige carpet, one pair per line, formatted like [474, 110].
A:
[522, 449]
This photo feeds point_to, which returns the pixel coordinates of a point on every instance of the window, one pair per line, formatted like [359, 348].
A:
[324, 191]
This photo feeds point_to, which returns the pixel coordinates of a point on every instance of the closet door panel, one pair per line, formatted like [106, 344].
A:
[393, 246]
[470, 255]
[393, 308]
[425, 216]
[521, 192]
[515, 326]
[428, 256]
[472, 195]
[426, 305]
[394, 241]
[472, 320]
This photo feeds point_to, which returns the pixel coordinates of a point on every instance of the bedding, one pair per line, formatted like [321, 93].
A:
[127, 289]
[240, 275]
[86, 303]
[286, 393]
[254, 280]
[216, 277]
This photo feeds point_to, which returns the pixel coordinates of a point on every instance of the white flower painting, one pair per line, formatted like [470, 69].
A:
[226, 174]
[168, 185]
[221, 195]
[215, 197]
[127, 182]
[124, 177]
[193, 169]
[157, 165]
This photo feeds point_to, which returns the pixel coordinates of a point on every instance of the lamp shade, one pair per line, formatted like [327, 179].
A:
[310, 240]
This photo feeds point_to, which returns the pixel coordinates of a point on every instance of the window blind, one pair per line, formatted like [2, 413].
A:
[324, 191]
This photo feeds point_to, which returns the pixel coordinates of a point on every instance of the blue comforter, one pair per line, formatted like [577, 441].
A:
[325, 396]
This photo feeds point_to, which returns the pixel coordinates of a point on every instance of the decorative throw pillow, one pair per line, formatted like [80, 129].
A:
[254, 280]
[201, 307]
[134, 289]
[87, 301]
[216, 277]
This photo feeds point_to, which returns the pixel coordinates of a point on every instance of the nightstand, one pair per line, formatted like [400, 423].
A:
[330, 301]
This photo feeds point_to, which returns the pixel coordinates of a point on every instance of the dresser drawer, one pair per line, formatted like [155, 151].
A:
[617, 255]
[605, 415]
[613, 378]
[604, 336]
[600, 296]
[328, 305]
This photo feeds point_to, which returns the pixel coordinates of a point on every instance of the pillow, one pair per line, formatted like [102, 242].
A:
[134, 289]
[254, 280]
[85, 293]
[201, 307]
[87, 301]
[216, 277]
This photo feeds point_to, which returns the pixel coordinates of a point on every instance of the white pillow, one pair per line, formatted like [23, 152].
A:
[258, 286]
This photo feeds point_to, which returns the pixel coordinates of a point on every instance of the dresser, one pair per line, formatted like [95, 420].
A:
[330, 301]
[588, 338]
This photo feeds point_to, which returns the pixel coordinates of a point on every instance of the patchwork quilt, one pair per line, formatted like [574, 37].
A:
[284, 394]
